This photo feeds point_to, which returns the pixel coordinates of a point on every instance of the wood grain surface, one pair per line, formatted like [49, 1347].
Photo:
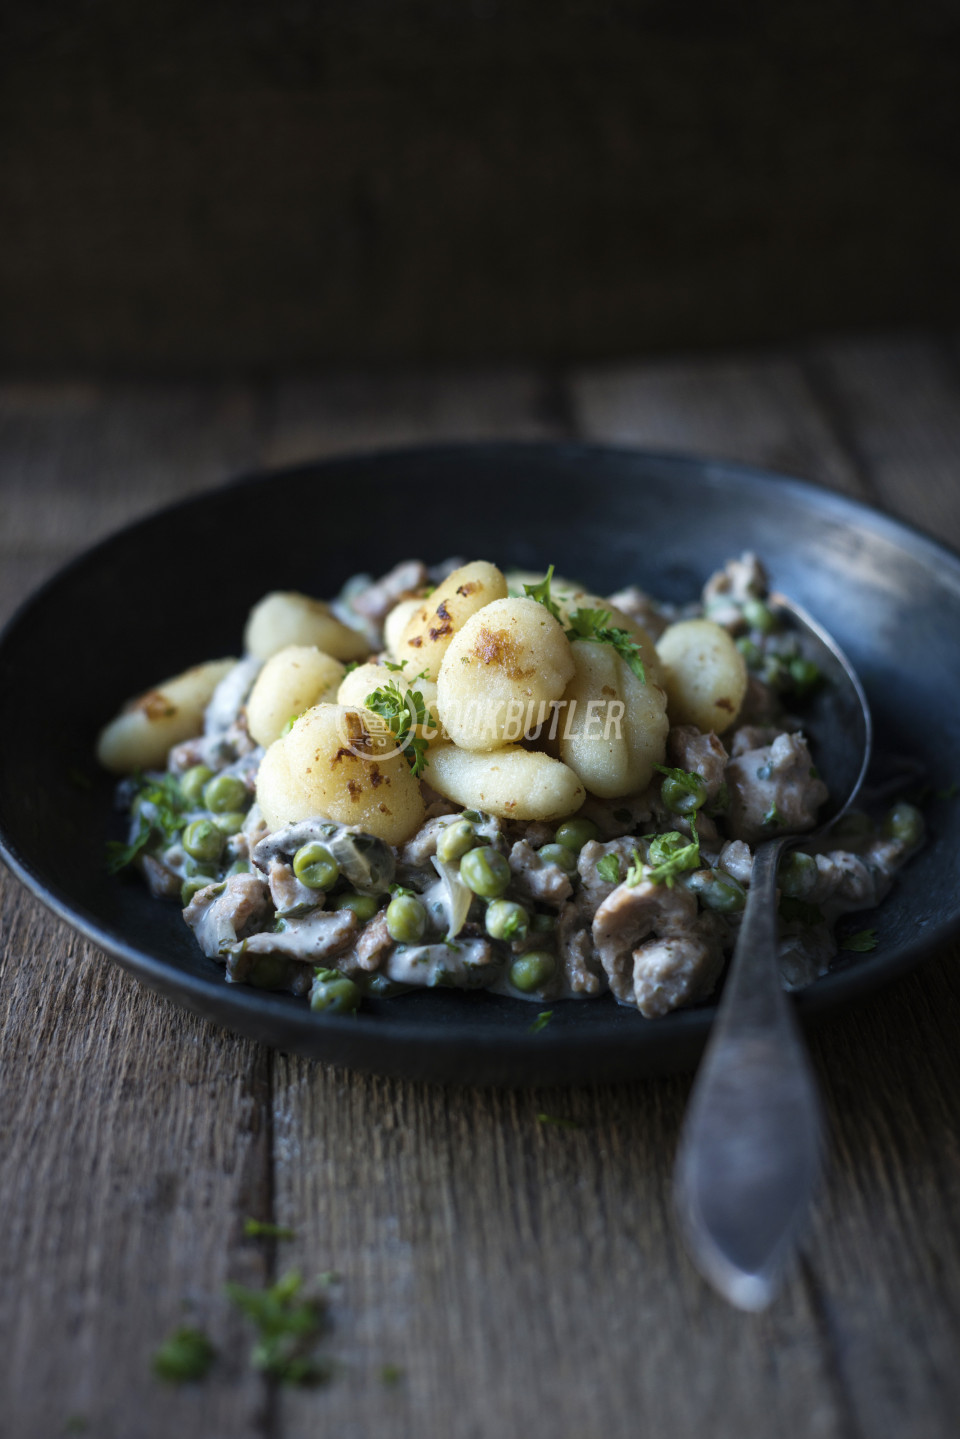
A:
[524, 1279]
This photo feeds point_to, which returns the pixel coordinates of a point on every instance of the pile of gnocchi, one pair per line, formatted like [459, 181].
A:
[522, 721]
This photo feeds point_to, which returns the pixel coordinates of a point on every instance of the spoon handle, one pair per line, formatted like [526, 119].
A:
[750, 1148]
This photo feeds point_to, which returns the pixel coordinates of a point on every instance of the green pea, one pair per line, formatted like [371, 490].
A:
[543, 923]
[364, 906]
[532, 970]
[334, 993]
[485, 871]
[406, 919]
[454, 840]
[192, 886]
[575, 833]
[759, 616]
[506, 920]
[683, 796]
[192, 783]
[750, 651]
[805, 675]
[797, 874]
[904, 823]
[230, 823]
[561, 855]
[202, 840]
[717, 890]
[239, 866]
[226, 792]
[315, 866]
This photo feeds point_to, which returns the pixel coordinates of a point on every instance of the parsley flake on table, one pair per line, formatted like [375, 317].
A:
[557, 1122]
[288, 1328]
[263, 1229]
[541, 1021]
[185, 1357]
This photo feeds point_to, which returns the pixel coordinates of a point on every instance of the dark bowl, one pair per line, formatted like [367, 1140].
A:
[175, 589]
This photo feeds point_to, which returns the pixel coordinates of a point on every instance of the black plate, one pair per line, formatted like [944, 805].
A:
[175, 589]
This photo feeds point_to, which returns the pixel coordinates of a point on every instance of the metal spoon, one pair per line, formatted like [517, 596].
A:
[751, 1146]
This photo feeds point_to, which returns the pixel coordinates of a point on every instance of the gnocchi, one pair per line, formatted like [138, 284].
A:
[616, 725]
[705, 675]
[291, 681]
[149, 726]
[436, 619]
[334, 762]
[513, 782]
[284, 619]
[501, 673]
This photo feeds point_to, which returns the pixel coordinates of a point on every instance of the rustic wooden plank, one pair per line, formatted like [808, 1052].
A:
[758, 409]
[329, 414]
[896, 407]
[135, 1138]
[524, 1277]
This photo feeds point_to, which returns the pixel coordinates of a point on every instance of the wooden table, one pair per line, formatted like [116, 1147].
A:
[526, 1279]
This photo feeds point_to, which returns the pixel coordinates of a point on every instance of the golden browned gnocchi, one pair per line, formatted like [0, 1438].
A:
[500, 674]
[283, 619]
[436, 619]
[514, 783]
[291, 681]
[148, 727]
[616, 726]
[334, 763]
[705, 675]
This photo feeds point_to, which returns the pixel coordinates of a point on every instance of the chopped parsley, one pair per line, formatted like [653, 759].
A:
[403, 713]
[773, 816]
[262, 1229]
[389, 665]
[862, 942]
[586, 624]
[557, 1122]
[160, 806]
[288, 1327]
[670, 854]
[799, 911]
[349, 668]
[390, 1374]
[185, 1357]
[608, 868]
[541, 1021]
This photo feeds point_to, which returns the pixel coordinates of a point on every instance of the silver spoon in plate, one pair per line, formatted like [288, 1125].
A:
[751, 1146]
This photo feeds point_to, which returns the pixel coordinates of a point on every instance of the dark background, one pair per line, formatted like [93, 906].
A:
[195, 186]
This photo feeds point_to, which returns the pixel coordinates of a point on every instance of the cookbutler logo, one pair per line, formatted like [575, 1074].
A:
[374, 736]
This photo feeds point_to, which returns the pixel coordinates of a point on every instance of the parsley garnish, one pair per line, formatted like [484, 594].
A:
[862, 942]
[349, 668]
[590, 625]
[541, 593]
[557, 1122]
[389, 665]
[288, 1328]
[608, 868]
[161, 814]
[772, 815]
[262, 1229]
[670, 854]
[799, 910]
[184, 1357]
[541, 1021]
[403, 712]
